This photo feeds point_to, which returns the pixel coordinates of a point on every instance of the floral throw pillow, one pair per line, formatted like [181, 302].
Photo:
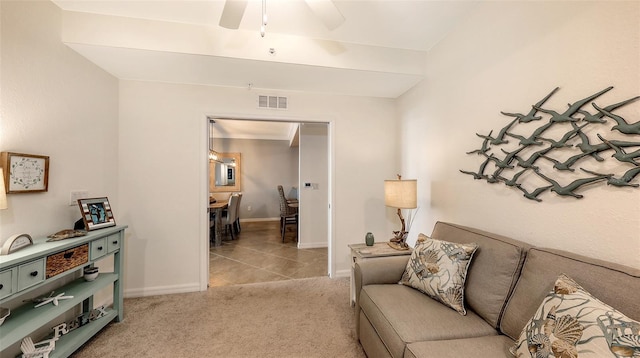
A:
[571, 323]
[439, 269]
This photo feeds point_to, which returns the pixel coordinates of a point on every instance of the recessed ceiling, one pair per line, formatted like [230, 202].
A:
[379, 50]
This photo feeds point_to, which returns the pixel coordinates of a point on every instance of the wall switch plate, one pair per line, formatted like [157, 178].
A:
[77, 194]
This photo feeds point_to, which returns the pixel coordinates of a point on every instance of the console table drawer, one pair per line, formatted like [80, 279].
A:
[66, 260]
[30, 274]
[113, 243]
[6, 283]
[98, 248]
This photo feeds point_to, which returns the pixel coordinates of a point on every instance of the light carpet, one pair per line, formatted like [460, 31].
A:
[296, 318]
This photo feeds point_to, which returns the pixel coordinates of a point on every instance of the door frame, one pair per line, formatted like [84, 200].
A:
[204, 184]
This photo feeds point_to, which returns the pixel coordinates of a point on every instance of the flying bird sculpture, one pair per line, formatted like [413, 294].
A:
[598, 117]
[623, 126]
[622, 181]
[480, 174]
[563, 148]
[620, 153]
[533, 138]
[485, 145]
[533, 195]
[566, 116]
[513, 181]
[562, 142]
[568, 190]
[526, 118]
[567, 164]
[532, 159]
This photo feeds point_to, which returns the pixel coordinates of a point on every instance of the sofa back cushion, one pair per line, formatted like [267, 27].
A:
[493, 271]
[611, 283]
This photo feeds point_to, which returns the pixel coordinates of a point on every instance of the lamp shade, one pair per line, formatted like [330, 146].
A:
[3, 194]
[401, 194]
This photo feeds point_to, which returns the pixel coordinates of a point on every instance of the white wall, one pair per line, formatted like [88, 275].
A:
[314, 200]
[505, 57]
[162, 165]
[54, 103]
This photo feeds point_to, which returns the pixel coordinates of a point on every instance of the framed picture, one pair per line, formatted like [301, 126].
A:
[96, 213]
[25, 173]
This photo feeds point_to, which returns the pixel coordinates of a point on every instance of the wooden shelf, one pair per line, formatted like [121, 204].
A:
[26, 319]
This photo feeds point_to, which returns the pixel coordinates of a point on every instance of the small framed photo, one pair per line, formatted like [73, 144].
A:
[25, 173]
[96, 213]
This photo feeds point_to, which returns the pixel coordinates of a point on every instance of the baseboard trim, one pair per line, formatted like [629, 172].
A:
[248, 220]
[312, 245]
[161, 290]
[342, 273]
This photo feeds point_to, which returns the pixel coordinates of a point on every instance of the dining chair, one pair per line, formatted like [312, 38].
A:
[232, 214]
[288, 214]
[237, 221]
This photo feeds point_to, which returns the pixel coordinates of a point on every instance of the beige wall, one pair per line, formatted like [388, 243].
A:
[55, 103]
[163, 172]
[506, 56]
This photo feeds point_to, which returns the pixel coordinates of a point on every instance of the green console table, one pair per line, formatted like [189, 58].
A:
[45, 263]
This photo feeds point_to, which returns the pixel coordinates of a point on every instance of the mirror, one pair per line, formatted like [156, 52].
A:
[225, 173]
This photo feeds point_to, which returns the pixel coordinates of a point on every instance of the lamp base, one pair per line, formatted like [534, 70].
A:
[398, 246]
[399, 241]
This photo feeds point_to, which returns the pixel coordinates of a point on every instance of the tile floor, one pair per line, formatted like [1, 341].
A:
[259, 255]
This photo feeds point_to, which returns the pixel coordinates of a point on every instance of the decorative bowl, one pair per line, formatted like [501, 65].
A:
[90, 273]
[4, 313]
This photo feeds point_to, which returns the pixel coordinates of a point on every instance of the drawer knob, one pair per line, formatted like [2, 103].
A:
[99, 248]
[115, 242]
[1, 286]
[34, 273]
[67, 255]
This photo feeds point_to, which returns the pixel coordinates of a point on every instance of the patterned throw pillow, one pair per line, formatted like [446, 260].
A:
[439, 269]
[571, 323]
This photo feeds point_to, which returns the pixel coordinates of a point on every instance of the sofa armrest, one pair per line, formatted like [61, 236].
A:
[382, 270]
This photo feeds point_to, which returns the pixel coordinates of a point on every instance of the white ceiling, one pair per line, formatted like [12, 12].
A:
[379, 50]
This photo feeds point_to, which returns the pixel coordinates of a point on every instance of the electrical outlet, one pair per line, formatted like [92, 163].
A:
[77, 194]
[249, 208]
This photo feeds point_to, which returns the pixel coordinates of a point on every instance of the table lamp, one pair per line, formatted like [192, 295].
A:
[400, 194]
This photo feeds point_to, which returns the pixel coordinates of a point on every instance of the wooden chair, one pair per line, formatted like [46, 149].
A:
[288, 214]
[37, 350]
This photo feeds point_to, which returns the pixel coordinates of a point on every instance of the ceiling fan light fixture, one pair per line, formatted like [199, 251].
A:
[263, 25]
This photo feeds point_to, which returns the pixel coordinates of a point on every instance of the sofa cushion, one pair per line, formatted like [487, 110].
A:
[493, 271]
[491, 346]
[398, 312]
[570, 320]
[439, 269]
[605, 280]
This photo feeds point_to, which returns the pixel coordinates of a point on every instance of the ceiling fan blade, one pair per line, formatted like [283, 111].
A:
[232, 13]
[327, 12]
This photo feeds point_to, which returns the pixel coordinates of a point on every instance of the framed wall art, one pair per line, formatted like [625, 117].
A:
[25, 173]
[96, 213]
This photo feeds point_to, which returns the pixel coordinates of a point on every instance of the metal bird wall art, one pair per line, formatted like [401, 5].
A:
[564, 138]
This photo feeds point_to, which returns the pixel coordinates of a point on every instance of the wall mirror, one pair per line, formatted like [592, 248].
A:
[225, 173]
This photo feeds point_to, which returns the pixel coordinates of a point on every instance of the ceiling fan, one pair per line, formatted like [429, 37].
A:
[325, 10]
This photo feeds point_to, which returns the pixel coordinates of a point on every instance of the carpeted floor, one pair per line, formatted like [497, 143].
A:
[295, 318]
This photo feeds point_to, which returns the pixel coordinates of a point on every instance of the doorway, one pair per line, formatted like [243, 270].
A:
[310, 181]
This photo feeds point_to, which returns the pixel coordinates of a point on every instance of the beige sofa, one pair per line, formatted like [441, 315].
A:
[506, 282]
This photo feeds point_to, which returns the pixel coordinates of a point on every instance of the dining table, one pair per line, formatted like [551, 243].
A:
[216, 208]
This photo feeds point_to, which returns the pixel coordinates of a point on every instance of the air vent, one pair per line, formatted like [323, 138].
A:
[272, 102]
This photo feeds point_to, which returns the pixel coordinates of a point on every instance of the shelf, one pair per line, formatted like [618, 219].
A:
[26, 319]
[68, 343]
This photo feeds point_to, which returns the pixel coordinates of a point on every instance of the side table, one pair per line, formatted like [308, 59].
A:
[362, 252]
